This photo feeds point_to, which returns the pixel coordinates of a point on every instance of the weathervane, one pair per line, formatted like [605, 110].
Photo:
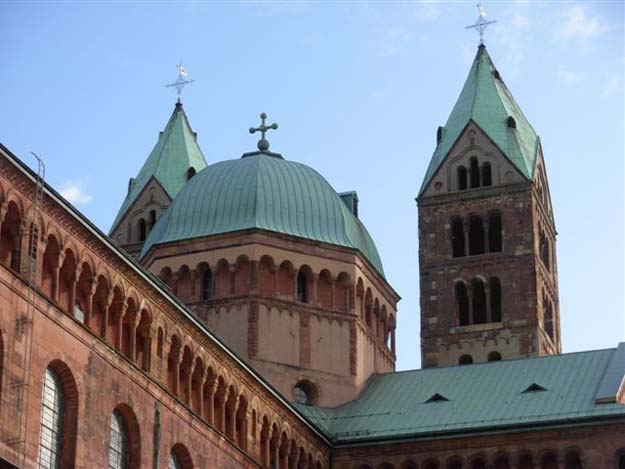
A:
[263, 144]
[481, 24]
[181, 81]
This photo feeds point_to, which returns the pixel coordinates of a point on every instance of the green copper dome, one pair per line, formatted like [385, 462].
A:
[262, 191]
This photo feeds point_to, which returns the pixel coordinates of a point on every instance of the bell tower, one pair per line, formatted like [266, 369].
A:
[488, 275]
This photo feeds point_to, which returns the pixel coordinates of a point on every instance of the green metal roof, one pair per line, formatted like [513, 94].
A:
[487, 102]
[174, 153]
[479, 397]
[262, 190]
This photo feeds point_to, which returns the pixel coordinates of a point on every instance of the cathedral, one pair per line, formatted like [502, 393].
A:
[237, 315]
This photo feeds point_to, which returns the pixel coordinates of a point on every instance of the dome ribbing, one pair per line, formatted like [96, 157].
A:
[264, 192]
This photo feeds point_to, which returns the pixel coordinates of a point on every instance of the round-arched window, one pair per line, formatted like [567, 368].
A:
[465, 360]
[494, 356]
[305, 393]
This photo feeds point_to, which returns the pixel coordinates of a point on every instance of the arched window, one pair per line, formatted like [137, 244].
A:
[494, 233]
[550, 461]
[526, 462]
[78, 312]
[478, 463]
[179, 457]
[305, 392]
[52, 413]
[476, 235]
[475, 173]
[457, 238]
[207, 284]
[502, 463]
[494, 357]
[495, 300]
[621, 461]
[465, 360]
[462, 300]
[478, 296]
[173, 462]
[302, 287]
[190, 172]
[572, 460]
[548, 319]
[152, 219]
[462, 178]
[454, 464]
[544, 251]
[118, 444]
[487, 177]
[511, 123]
[142, 229]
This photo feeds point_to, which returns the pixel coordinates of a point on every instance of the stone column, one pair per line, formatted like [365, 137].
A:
[132, 343]
[120, 322]
[211, 387]
[106, 304]
[253, 277]
[486, 240]
[55, 276]
[465, 231]
[176, 371]
[72, 292]
[314, 300]
[90, 288]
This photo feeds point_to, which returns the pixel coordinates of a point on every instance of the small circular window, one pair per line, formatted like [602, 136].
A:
[305, 393]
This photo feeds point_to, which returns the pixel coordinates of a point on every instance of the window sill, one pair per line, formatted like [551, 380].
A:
[476, 327]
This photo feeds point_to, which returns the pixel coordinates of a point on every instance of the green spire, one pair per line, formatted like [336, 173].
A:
[175, 152]
[487, 102]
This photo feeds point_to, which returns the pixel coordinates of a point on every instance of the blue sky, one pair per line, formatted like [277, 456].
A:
[358, 90]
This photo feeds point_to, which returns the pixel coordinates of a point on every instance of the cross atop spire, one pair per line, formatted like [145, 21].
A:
[263, 144]
[180, 81]
[481, 23]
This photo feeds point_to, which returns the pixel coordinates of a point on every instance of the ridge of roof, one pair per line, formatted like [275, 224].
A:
[486, 100]
[175, 151]
[508, 360]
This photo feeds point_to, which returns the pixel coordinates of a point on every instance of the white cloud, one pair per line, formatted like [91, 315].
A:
[427, 11]
[570, 78]
[578, 24]
[74, 192]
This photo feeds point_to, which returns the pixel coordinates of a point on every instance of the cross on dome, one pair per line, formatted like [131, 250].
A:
[263, 144]
[481, 23]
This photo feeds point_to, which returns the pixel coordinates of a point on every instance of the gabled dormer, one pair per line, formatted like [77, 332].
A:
[174, 160]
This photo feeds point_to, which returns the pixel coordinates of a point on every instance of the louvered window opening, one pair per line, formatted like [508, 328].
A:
[118, 445]
[51, 422]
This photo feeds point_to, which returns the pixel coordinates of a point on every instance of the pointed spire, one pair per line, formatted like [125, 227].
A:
[176, 152]
[486, 101]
